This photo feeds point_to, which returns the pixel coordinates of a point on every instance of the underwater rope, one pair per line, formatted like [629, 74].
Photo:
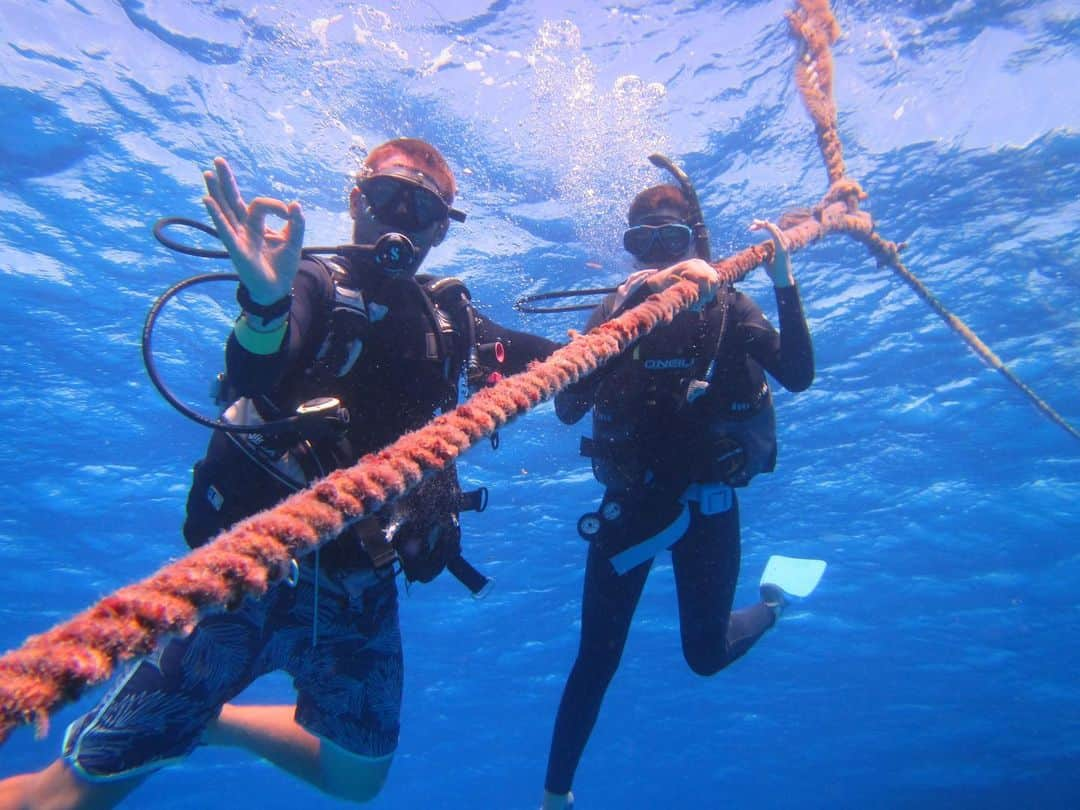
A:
[54, 667]
[814, 24]
[888, 254]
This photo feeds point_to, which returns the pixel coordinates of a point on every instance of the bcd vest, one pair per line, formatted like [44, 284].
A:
[665, 415]
[245, 473]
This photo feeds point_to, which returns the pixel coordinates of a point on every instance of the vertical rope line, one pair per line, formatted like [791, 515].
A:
[812, 22]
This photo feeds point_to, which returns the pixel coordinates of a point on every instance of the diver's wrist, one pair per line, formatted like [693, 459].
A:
[258, 336]
[785, 282]
[262, 325]
[269, 312]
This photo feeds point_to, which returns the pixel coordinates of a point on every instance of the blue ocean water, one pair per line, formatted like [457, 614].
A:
[935, 666]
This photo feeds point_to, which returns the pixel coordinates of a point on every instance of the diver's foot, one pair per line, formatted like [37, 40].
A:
[774, 598]
[558, 801]
[789, 578]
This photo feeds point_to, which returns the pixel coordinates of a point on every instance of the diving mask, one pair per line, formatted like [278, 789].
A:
[405, 204]
[657, 243]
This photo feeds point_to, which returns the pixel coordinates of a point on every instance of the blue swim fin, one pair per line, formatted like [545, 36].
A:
[794, 576]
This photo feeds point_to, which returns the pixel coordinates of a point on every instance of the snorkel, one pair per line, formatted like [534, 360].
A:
[697, 221]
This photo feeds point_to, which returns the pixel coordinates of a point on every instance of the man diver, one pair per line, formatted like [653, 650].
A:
[679, 421]
[347, 354]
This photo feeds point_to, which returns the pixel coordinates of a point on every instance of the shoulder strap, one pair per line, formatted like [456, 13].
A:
[347, 328]
[454, 320]
[445, 292]
[346, 296]
[724, 301]
[332, 266]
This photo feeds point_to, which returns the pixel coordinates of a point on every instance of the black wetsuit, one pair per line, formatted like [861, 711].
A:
[648, 446]
[399, 380]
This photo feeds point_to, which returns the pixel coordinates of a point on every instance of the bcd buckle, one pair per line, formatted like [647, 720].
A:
[712, 499]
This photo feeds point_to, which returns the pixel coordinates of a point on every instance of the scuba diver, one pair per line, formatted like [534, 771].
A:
[328, 360]
[680, 420]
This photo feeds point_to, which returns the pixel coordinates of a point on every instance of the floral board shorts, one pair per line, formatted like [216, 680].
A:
[348, 684]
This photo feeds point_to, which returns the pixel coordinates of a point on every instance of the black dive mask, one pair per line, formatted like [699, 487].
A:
[405, 204]
[658, 243]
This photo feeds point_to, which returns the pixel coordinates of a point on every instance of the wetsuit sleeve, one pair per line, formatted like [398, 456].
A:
[313, 294]
[521, 347]
[788, 355]
[576, 399]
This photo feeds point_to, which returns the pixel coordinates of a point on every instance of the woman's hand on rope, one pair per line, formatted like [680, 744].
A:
[779, 267]
[266, 259]
[625, 290]
[698, 271]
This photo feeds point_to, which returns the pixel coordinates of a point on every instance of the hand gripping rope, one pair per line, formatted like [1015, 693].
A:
[54, 667]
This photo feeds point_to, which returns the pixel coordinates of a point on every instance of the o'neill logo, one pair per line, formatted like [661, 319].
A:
[677, 363]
